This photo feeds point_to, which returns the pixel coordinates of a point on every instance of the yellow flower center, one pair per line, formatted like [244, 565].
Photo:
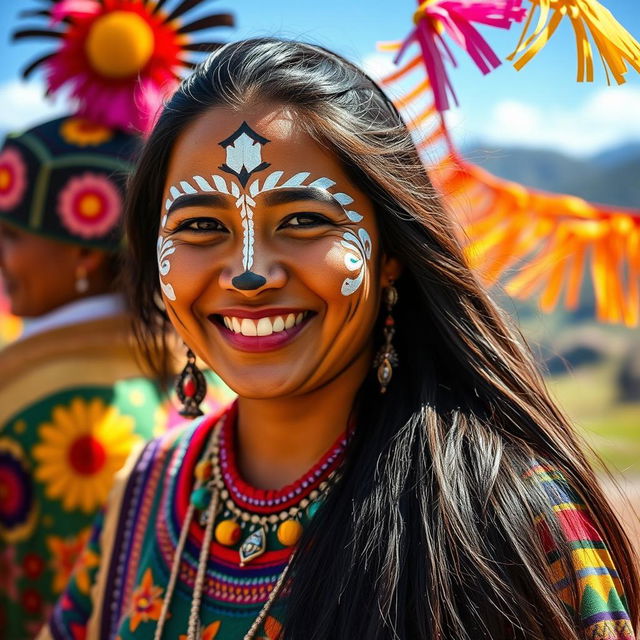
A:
[5, 179]
[119, 44]
[90, 206]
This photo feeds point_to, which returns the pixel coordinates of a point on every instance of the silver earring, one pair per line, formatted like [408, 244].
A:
[386, 359]
[82, 282]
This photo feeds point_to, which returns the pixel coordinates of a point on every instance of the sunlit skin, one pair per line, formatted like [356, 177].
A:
[39, 274]
[294, 400]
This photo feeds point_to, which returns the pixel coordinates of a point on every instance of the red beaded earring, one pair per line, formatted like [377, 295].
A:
[387, 357]
[191, 388]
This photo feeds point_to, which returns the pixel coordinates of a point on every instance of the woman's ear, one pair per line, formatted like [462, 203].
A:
[390, 271]
[92, 260]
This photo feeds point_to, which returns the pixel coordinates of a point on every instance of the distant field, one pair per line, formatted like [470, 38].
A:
[610, 427]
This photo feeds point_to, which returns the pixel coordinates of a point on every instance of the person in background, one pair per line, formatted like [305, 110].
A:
[75, 396]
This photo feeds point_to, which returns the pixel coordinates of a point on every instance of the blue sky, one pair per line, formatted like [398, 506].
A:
[539, 106]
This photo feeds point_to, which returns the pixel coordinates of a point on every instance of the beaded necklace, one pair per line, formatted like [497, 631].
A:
[247, 517]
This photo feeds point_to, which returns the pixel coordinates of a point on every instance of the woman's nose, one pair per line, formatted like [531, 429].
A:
[265, 274]
[248, 281]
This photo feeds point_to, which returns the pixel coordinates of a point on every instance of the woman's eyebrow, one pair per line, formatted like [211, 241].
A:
[200, 200]
[296, 194]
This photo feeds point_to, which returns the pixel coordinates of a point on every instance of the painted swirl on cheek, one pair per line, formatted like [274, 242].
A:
[164, 249]
[359, 250]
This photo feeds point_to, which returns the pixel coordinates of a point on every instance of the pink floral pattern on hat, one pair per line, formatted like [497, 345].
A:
[89, 205]
[13, 178]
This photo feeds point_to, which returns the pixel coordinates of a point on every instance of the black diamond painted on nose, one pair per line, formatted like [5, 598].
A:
[244, 153]
[248, 280]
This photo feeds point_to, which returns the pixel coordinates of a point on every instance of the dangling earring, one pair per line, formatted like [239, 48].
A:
[191, 388]
[82, 282]
[387, 357]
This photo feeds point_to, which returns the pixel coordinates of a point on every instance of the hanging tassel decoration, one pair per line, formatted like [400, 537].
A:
[435, 18]
[542, 245]
[615, 45]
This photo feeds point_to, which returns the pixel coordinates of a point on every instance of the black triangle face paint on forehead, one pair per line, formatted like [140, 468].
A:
[244, 153]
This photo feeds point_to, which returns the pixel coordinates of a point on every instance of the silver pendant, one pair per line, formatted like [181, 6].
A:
[253, 547]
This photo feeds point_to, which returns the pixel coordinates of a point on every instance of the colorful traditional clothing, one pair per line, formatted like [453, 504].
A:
[136, 541]
[601, 608]
[73, 404]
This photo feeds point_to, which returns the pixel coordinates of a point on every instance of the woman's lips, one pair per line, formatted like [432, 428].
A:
[258, 331]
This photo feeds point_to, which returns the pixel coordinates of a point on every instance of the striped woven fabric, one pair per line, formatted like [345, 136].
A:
[601, 606]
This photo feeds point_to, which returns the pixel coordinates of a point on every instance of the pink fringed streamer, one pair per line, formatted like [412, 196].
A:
[434, 18]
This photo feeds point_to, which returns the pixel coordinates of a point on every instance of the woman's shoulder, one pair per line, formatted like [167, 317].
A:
[595, 593]
[570, 510]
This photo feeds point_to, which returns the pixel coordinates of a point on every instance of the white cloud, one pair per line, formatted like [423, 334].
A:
[609, 117]
[378, 65]
[24, 105]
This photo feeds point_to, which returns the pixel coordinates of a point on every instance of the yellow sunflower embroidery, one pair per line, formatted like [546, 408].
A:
[84, 133]
[80, 451]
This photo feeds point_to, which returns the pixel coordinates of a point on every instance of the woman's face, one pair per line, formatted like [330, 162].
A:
[37, 273]
[269, 255]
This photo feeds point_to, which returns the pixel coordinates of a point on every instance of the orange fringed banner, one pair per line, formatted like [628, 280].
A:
[549, 240]
[539, 244]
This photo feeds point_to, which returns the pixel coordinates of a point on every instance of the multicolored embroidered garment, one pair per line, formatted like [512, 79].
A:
[136, 541]
[602, 607]
[138, 537]
[73, 404]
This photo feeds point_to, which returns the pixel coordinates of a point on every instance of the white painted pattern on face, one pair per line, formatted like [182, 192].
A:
[359, 246]
[164, 249]
[244, 159]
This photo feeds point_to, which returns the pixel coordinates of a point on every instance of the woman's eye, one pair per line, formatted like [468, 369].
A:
[201, 225]
[303, 220]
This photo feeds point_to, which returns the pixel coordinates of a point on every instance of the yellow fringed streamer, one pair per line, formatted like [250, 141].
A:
[616, 46]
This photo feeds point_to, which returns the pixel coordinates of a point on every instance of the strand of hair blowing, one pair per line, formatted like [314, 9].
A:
[430, 532]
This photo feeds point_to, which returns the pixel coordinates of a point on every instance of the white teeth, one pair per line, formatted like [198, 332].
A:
[248, 327]
[264, 327]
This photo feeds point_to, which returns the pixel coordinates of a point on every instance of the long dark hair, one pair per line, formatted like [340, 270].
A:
[430, 532]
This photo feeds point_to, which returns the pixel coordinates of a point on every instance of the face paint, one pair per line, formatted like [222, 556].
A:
[243, 160]
[164, 249]
[309, 322]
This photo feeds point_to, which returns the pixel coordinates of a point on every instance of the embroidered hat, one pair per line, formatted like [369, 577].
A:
[117, 59]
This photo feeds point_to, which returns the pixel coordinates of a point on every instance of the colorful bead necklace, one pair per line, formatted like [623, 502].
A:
[247, 517]
[249, 514]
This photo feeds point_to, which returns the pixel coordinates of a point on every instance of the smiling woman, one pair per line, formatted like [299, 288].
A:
[394, 466]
